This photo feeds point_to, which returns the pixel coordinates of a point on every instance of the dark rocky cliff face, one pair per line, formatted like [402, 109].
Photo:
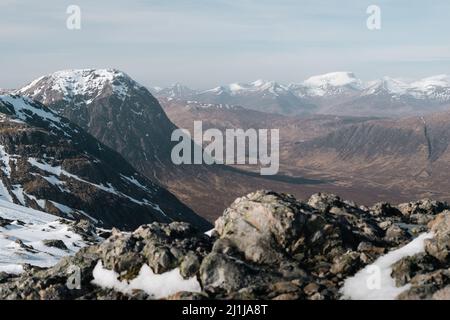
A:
[50, 164]
[114, 109]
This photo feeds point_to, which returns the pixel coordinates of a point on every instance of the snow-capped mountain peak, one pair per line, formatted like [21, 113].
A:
[333, 79]
[216, 90]
[435, 87]
[327, 85]
[177, 90]
[272, 86]
[82, 82]
[264, 84]
[258, 86]
[387, 85]
[235, 87]
[442, 80]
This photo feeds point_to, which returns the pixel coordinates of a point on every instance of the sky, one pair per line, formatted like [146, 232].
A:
[205, 43]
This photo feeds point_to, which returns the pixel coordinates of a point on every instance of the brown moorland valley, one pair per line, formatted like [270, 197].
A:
[368, 158]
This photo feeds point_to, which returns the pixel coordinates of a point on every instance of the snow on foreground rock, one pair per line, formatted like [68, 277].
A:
[374, 282]
[29, 236]
[155, 285]
[265, 246]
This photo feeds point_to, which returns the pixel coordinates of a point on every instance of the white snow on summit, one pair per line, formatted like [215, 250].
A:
[336, 83]
[258, 86]
[441, 80]
[436, 87]
[334, 79]
[328, 84]
[84, 82]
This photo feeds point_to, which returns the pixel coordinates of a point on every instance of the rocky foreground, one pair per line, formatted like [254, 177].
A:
[265, 246]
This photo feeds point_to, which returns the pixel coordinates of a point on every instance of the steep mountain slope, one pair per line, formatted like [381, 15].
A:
[113, 108]
[50, 164]
[409, 156]
[123, 115]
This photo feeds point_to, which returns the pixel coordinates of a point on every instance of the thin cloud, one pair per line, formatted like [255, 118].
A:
[209, 42]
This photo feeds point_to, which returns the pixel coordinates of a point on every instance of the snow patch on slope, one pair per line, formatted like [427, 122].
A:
[24, 106]
[109, 188]
[22, 241]
[24, 110]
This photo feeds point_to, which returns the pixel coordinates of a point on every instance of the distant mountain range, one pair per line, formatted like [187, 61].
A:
[339, 93]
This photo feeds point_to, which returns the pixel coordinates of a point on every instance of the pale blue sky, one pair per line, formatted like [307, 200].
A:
[204, 43]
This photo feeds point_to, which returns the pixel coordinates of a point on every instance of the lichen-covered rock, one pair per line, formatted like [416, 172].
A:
[439, 245]
[265, 246]
[384, 209]
[396, 234]
[424, 286]
[442, 294]
[422, 207]
[347, 263]
[285, 239]
[427, 273]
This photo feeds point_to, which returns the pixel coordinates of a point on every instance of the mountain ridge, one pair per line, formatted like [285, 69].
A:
[340, 93]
